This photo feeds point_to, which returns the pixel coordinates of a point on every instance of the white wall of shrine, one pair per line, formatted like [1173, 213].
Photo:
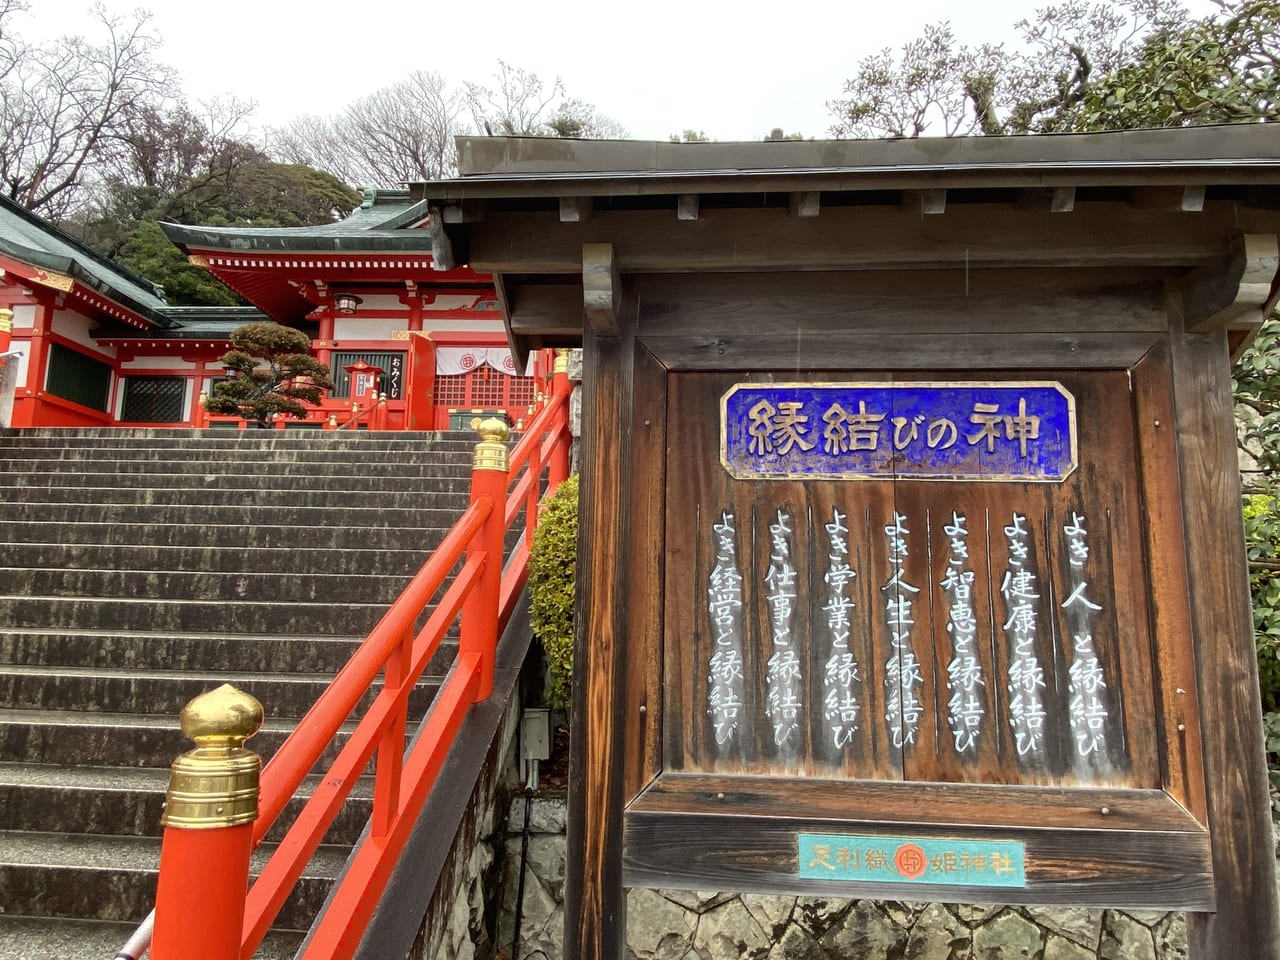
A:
[75, 327]
[368, 328]
[156, 363]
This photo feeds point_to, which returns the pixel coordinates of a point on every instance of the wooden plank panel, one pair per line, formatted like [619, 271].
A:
[1177, 701]
[1099, 600]
[645, 586]
[595, 907]
[887, 804]
[935, 306]
[851, 238]
[1115, 868]
[1143, 286]
[852, 743]
[1246, 923]
[706, 496]
[833, 351]
[963, 751]
[551, 309]
[1030, 703]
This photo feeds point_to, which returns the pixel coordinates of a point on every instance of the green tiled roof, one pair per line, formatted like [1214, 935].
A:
[32, 239]
[377, 224]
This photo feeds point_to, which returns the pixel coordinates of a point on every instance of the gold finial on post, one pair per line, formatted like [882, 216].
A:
[491, 451]
[562, 360]
[216, 784]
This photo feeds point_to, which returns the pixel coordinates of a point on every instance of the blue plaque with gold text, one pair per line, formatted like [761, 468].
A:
[1002, 431]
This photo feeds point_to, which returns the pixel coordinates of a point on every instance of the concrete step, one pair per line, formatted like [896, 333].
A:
[299, 537]
[267, 584]
[59, 938]
[153, 691]
[261, 513]
[128, 801]
[194, 651]
[113, 878]
[151, 613]
[74, 737]
[318, 482]
[234, 454]
[212, 469]
[439, 493]
[163, 589]
[162, 436]
[203, 559]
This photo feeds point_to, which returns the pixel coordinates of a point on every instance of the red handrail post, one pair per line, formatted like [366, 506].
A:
[560, 386]
[208, 836]
[489, 480]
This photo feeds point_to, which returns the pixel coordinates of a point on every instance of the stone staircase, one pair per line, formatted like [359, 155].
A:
[139, 568]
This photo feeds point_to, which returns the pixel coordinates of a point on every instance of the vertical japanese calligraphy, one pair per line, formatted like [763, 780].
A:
[902, 678]
[1087, 686]
[965, 708]
[1021, 627]
[1000, 655]
[724, 597]
[784, 676]
[840, 679]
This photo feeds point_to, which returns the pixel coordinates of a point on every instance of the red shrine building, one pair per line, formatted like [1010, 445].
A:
[96, 345]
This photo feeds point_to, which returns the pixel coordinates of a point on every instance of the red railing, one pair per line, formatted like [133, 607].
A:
[483, 593]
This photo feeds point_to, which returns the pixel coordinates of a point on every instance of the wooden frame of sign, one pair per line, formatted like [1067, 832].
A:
[908, 679]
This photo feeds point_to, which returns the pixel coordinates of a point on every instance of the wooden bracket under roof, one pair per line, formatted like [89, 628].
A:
[1236, 291]
[601, 288]
[575, 209]
[441, 245]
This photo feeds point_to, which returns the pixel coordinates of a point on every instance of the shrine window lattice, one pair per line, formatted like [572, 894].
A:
[153, 399]
[495, 391]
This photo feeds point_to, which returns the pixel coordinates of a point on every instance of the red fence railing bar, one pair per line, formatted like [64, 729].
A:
[482, 594]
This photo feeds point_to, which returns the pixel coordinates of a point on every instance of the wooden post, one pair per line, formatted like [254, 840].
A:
[1246, 924]
[595, 905]
[489, 479]
[208, 820]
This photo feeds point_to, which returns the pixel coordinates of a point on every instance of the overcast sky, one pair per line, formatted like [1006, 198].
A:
[735, 70]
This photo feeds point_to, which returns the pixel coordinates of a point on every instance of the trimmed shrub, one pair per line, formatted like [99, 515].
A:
[553, 567]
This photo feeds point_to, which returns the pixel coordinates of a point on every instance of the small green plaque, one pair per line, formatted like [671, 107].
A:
[867, 859]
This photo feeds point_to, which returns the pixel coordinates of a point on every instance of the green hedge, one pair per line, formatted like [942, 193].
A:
[553, 568]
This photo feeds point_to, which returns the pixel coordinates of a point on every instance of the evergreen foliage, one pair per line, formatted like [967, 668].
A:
[553, 568]
[273, 372]
[1256, 380]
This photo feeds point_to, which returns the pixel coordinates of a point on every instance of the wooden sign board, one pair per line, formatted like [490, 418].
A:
[940, 646]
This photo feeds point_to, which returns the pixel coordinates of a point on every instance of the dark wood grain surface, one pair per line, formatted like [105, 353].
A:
[595, 909]
[1101, 494]
[1246, 923]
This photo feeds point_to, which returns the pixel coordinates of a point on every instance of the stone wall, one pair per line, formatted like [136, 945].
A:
[688, 925]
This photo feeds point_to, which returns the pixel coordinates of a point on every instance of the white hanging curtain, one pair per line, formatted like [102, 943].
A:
[451, 361]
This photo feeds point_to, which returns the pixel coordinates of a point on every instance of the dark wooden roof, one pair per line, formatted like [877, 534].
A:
[559, 222]
[496, 167]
